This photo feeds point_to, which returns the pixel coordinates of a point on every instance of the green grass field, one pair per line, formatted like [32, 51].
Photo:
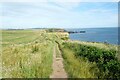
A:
[19, 36]
[29, 54]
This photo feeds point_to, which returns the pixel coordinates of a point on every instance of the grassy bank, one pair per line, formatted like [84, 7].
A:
[27, 53]
[78, 67]
[101, 62]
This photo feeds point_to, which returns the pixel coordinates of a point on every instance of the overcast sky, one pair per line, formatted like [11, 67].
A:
[59, 14]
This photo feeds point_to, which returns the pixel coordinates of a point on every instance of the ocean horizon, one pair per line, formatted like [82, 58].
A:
[104, 35]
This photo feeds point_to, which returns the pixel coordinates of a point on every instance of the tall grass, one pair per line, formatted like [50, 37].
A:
[58, 54]
[0, 63]
[78, 67]
[30, 59]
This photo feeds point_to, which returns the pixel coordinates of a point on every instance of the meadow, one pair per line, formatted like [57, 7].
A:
[29, 54]
[26, 54]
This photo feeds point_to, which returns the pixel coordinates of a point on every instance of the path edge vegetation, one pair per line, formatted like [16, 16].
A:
[103, 63]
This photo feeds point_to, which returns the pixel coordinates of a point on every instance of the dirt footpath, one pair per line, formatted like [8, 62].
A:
[58, 67]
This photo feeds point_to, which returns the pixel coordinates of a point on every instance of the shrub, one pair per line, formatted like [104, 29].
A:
[106, 60]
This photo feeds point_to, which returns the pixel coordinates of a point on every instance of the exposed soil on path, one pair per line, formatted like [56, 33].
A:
[58, 67]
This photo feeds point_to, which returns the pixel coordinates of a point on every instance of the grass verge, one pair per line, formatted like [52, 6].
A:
[78, 67]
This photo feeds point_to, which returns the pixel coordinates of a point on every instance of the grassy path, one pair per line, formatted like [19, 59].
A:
[58, 67]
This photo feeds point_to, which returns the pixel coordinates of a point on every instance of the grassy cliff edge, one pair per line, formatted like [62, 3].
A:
[28, 54]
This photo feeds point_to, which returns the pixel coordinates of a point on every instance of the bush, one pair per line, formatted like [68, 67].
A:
[106, 60]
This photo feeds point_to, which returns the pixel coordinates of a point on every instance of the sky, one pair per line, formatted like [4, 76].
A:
[56, 14]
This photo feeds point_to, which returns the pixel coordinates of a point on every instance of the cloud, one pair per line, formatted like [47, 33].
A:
[52, 14]
[66, 3]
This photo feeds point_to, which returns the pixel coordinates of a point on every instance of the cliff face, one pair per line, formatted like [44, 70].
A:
[64, 34]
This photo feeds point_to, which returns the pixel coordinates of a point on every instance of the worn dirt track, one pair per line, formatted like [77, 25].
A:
[58, 67]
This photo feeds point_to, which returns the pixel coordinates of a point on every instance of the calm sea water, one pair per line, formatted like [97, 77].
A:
[109, 35]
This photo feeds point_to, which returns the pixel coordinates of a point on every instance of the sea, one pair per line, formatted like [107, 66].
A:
[108, 35]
